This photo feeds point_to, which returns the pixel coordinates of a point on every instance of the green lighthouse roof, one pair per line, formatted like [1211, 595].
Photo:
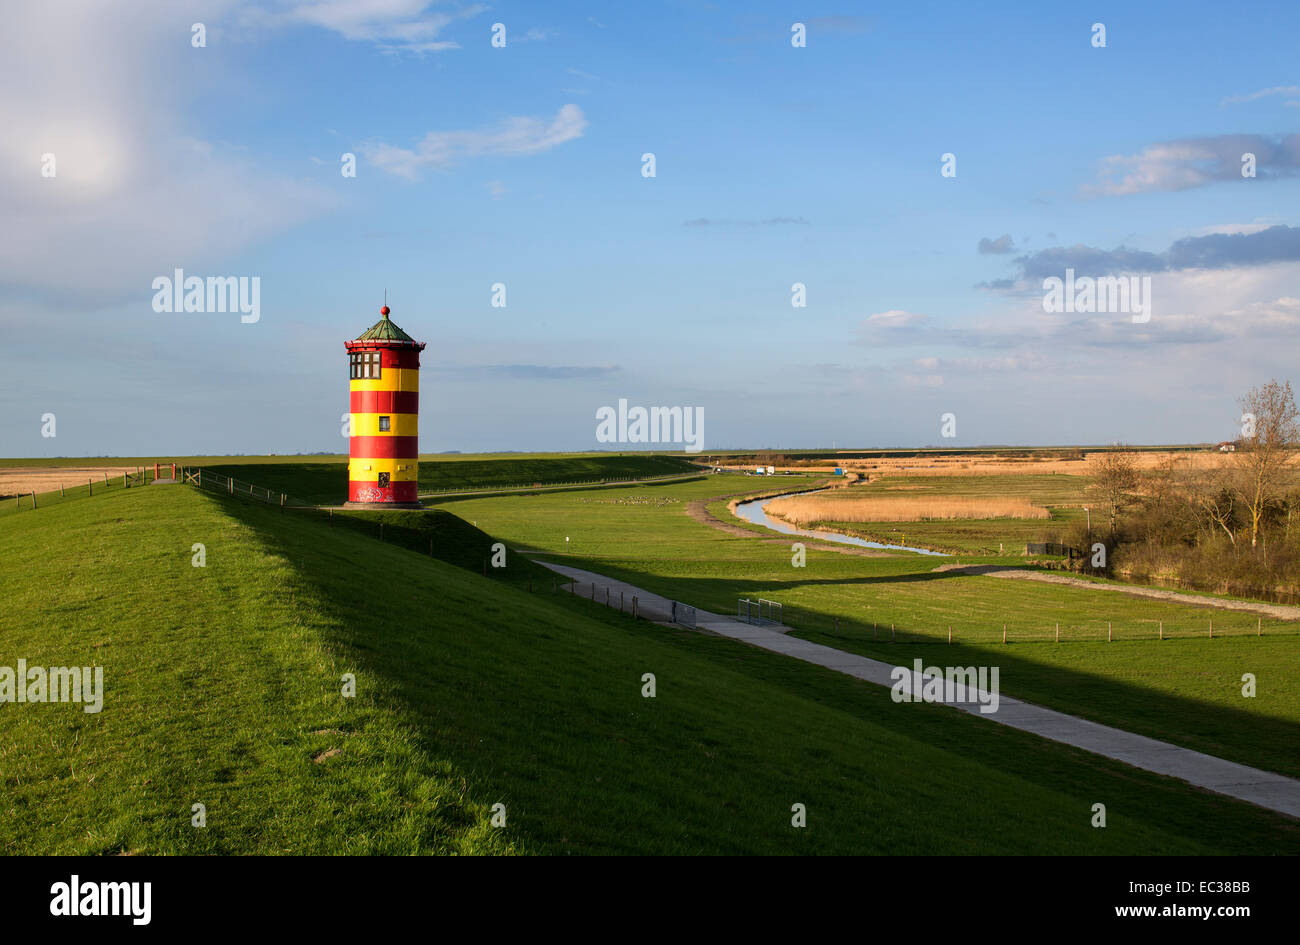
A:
[385, 330]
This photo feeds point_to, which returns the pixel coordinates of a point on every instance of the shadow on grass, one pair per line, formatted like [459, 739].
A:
[1250, 738]
[496, 689]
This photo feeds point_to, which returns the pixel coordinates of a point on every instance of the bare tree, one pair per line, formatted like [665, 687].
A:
[1114, 480]
[1262, 462]
[1211, 495]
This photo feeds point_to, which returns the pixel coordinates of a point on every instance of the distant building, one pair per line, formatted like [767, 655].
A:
[1227, 447]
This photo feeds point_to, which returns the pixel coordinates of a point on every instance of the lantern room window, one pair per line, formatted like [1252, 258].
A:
[363, 365]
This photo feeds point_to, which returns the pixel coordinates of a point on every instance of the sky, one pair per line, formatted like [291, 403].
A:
[919, 169]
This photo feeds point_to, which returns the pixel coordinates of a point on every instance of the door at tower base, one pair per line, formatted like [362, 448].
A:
[373, 492]
[374, 480]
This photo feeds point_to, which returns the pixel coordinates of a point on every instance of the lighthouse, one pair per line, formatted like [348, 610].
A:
[384, 372]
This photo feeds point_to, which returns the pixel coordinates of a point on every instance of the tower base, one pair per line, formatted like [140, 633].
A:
[380, 506]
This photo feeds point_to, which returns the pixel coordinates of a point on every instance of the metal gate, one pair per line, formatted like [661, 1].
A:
[759, 611]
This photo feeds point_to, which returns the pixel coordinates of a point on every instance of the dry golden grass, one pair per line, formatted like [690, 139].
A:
[20, 480]
[996, 464]
[802, 510]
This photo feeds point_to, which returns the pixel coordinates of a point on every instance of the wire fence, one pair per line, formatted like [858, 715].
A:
[93, 485]
[215, 482]
[524, 486]
[1018, 630]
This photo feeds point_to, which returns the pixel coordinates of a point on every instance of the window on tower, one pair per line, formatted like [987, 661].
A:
[363, 365]
[383, 424]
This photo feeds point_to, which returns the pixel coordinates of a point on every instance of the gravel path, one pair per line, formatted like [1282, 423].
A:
[1262, 788]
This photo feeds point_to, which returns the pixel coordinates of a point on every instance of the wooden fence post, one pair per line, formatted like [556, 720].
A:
[1107, 631]
[90, 484]
[33, 499]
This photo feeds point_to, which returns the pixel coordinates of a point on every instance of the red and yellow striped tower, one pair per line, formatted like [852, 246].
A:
[384, 366]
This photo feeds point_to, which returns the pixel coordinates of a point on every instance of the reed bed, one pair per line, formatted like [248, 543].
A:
[804, 510]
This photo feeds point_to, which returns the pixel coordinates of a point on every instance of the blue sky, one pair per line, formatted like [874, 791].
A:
[522, 165]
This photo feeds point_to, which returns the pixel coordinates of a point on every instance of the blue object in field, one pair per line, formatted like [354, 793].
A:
[839, 470]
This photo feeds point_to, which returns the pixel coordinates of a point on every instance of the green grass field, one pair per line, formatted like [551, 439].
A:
[223, 688]
[328, 482]
[324, 480]
[1186, 689]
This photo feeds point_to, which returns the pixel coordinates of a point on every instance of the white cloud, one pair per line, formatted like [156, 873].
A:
[1263, 93]
[512, 137]
[1231, 229]
[135, 192]
[1174, 166]
[893, 318]
[1195, 162]
[398, 25]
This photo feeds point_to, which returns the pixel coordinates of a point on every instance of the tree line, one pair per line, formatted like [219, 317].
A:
[1224, 526]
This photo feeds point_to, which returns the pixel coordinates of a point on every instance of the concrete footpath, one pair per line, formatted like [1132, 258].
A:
[1265, 789]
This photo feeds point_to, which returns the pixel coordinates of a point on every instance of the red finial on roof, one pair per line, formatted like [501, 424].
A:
[384, 311]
